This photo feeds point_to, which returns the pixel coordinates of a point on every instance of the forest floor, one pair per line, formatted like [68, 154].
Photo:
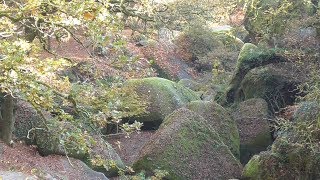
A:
[26, 159]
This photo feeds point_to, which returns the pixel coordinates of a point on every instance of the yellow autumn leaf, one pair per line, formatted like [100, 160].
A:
[88, 16]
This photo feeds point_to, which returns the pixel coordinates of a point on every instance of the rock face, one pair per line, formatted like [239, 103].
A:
[252, 121]
[78, 170]
[26, 117]
[220, 120]
[163, 97]
[187, 148]
[275, 83]
[249, 57]
[102, 149]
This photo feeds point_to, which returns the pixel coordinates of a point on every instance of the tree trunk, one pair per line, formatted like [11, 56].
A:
[315, 4]
[7, 118]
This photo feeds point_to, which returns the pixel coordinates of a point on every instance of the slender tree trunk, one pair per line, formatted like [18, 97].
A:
[7, 118]
[315, 6]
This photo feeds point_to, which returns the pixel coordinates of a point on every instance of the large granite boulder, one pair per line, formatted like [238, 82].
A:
[286, 160]
[250, 57]
[187, 148]
[275, 83]
[162, 96]
[295, 154]
[220, 120]
[15, 175]
[252, 119]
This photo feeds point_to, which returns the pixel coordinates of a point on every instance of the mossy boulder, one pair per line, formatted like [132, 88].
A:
[307, 111]
[295, 154]
[249, 57]
[30, 127]
[252, 119]
[220, 120]
[162, 96]
[286, 160]
[275, 83]
[187, 148]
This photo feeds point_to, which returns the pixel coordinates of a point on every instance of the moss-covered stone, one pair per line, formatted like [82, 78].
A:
[252, 168]
[162, 96]
[250, 57]
[255, 134]
[307, 111]
[188, 148]
[277, 84]
[286, 160]
[220, 120]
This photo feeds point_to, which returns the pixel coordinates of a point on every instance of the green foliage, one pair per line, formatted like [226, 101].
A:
[209, 50]
[269, 20]
[181, 14]
[78, 110]
[305, 132]
[294, 154]
[312, 86]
